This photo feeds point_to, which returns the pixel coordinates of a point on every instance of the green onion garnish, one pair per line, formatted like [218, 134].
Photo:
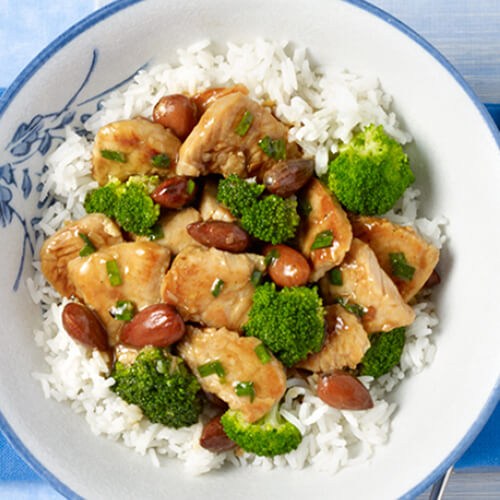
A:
[256, 277]
[244, 124]
[400, 266]
[210, 368]
[355, 309]
[271, 256]
[335, 276]
[274, 148]
[323, 240]
[113, 155]
[245, 389]
[124, 310]
[263, 354]
[190, 187]
[160, 161]
[113, 270]
[217, 287]
[89, 246]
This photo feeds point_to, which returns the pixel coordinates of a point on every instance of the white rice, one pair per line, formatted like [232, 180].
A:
[323, 109]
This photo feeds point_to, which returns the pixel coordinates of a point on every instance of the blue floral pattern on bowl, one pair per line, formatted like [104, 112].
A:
[39, 136]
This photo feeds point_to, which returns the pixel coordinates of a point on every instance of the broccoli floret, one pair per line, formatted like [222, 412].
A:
[161, 385]
[269, 436]
[384, 352]
[135, 210]
[237, 194]
[271, 218]
[102, 200]
[370, 173]
[290, 322]
[130, 204]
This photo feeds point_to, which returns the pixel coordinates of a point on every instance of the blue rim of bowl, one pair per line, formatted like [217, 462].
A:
[119, 5]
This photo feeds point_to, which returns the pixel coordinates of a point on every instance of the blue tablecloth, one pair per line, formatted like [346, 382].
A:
[467, 32]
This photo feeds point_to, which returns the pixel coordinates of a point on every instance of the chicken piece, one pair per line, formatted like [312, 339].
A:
[126, 354]
[385, 238]
[142, 266]
[238, 359]
[210, 208]
[345, 344]
[213, 146]
[175, 235]
[193, 286]
[366, 284]
[66, 244]
[138, 141]
[326, 215]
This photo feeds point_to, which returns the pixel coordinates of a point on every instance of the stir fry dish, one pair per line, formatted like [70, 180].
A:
[213, 264]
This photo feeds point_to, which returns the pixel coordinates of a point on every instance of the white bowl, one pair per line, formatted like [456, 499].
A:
[456, 147]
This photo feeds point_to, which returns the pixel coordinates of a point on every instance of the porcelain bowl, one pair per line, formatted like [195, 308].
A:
[456, 148]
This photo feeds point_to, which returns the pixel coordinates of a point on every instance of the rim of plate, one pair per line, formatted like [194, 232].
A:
[103, 13]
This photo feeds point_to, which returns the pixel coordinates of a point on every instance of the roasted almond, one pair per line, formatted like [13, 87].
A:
[288, 267]
[175, 192]
[219, 234]
[83, 325]
[158, 325]
[287, 177]
[343, 391]
[214, 438]
[176, 112]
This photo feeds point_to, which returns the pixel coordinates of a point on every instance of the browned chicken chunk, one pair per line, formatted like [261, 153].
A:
[327, 217]
[366, 284]
[141, 266]
[213, 146]
[212, 287]
[66, 244]
[175, 236]
[131, 147]
[385, 238]
[238, 359]
[126, 354]
[345, 344]
[210, 208]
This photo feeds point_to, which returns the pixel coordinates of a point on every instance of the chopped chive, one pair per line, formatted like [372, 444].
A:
[271, 256]
[355, 309]
[304, 207]
[113, 155]
[217, 287]
[89, 246]
[266, 145]
[400, 266]
[335, 276]
[279, 149]
[256, 277]
[244, 124]
[113, 270]
[190, 187]
[160, 161]
[323, 240]
[212, 367]
[245, 389]
[274, 148]
[263, 354]
[156, 232]
[124, 310]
